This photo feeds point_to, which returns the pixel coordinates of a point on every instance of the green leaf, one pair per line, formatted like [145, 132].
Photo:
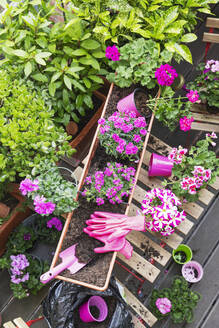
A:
[40, 77]
[52, 89]
[183, 51]
[90, 44]
[75, 117]
[79, 52]
[205, 10]
[39, 60]
[78, 85]
[87, 82]
[74, 69]
[95, 78]
[153, 8]
[189, 37]
[20, 53]
[171, 15]
[27, 69]
[44, 54]
[86, 36]
[67, 82]
[42, 42]
[56, 76]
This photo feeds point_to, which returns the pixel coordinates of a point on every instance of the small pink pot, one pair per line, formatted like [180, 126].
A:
[159, 166]
[189, 273]
[128, 105]
[97, 301]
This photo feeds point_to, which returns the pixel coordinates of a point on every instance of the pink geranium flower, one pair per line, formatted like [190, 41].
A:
[27, 185]
[193, 96]
[165, 74]
[185, 123]
[112, 53]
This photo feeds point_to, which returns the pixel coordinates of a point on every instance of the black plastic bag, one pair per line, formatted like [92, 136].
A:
[63, 299]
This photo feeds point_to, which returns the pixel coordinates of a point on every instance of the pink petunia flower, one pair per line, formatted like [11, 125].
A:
[193, 96]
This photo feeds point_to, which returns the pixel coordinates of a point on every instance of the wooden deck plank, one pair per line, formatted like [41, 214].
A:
[193, 209]
[159, 146]
[20, 323]
[212, 22]
[205, 127]
[138, 307]
[205, 196]
[211, 37]
[137, 323]
[142, 241]
[9, 324]
[213, 317]
[215, 185]
[210, 118]
[140, 265]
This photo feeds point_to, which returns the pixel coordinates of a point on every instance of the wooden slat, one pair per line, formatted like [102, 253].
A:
[140, 265]
[20, 323]
[78, 172]
[150, 182]
[138, 307]
[206, 118]
[211, 37]
[137, 323]
[205, 196]
[215, 185]
[159, 146]
[184, 227]
[142, 241]
[85, 160]
[205, 127]
[212, 22]
[9, 324]
[193, 209]
[173, 240]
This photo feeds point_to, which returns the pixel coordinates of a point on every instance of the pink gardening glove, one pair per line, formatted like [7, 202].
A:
[114, 225]
[119, 245]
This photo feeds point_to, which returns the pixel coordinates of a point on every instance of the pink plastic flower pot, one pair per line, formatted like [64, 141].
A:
[85, 309]
[127, 104]
[159, 166]
[192, 271]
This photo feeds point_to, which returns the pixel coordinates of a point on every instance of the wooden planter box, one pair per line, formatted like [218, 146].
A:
[19, 213]
[81, 182]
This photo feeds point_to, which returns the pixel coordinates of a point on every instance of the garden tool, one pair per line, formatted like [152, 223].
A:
[71, 262]
[113, 224]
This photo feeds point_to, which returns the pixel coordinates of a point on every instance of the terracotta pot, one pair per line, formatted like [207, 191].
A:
[17, 216]
[4, 210]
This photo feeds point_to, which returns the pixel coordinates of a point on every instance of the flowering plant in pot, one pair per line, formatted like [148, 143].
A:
[207, 83]
[49, 191]
[48, 228]
[25, 271]
[178, 301]
[162, 211]
[193, 169]
[122, 135]
[113, 184]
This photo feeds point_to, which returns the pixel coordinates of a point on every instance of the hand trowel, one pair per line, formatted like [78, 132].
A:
[69, 261]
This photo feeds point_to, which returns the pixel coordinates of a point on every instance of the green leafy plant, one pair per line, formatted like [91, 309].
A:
[194, 170]
[183, 301]
[138, 62]
[48, 228]
[61, 55]
[20, 240]
[207, 83]
[170, 109]
[53, 193]
[169, 23]
[27, 131]
[25, 271]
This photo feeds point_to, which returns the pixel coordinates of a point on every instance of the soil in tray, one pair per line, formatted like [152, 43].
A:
[95, 272]
[111, 303]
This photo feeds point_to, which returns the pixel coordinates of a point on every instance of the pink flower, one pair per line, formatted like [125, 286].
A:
[165, 74]
[42, 207]
[185, 123]
[137, 138]
[27, 186]
[112, 53]
[131, 149]
[102, 130]
[143, 132]
[115, 137]
[164, 305]
[120, 149]
[193, 96]
[101, 121]
[99, 201]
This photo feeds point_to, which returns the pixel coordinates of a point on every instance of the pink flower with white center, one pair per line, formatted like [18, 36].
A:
[198, 170]
[193, 96]
[176, 155]
[185, 123]
[164, 305]
[27, 185]
[207, 175]
[137, 138]
[199, 181]
[175, 221]
[212, 135]
[168, 231]
[192, 189]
